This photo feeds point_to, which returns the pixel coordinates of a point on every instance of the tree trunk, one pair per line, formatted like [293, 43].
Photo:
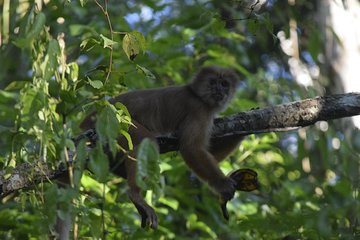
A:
[340, 21]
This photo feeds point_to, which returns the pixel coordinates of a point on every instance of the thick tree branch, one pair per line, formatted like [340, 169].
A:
[271, 119]
[280, 118]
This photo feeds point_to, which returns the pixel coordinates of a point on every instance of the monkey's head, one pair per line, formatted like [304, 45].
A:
[215, 86]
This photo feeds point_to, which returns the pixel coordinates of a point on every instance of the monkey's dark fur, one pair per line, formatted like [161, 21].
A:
[188, 111]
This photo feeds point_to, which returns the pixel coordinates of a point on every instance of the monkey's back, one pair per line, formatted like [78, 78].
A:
[161, 110]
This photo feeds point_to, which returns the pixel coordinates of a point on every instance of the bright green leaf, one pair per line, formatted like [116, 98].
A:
[73, 70]
[107, 42]
[99, 163]
[128, 138]
[95, 83]
[83, 2]
[90, 184]
[173, 203]
[50, 63]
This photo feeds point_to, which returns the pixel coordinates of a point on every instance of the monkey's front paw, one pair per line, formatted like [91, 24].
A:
[225, 188]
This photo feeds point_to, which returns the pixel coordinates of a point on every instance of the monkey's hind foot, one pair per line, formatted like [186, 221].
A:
[147, 213]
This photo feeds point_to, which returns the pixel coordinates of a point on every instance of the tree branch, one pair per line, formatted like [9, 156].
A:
[283, 117]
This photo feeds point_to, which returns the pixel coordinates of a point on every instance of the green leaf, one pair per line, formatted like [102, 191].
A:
[51, 200]
[107, 127]
[88, 44]
[15, 85]
[148, 170]
[218, 26]
[107, 124]
[32, 102]
[99, 163]
[128, 138]
[69, 143]
[38, 25]
[73, 70]
[133, 44]
[50, 63]
[81, 156]
[107, 42]
[80, 29]
[149, 75]
[171, 202]
[121, 107]
[194, 224]
[83, 2]
[268, 23]
[33, 33]
[96, 224]
[315, 43]
[253, 26]
[6, 96]
[90, 184]
[95, 83]
[77, 29]
[140, 40]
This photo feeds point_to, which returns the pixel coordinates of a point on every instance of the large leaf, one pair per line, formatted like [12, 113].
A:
[81, 156]
[99, 163]
[50, 63]
[33, 30]
[133, 44]
[32, 102]
[148, 170]
[107, 127]
[51, 197]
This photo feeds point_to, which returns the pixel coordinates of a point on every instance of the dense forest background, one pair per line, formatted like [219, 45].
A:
[61, 59]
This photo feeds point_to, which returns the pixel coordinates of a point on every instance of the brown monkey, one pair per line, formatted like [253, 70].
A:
[187, 111]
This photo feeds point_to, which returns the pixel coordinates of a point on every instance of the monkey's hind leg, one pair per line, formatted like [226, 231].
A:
[147, 213]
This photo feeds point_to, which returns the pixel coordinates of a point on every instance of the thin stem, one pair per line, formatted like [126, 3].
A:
[105, 12]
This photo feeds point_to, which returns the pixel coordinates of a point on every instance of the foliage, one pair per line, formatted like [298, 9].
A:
[61, 60]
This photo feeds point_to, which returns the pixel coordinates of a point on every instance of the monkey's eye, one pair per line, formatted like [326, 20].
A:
[224, 83]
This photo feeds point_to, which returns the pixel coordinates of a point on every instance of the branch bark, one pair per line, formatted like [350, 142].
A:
[278, 118]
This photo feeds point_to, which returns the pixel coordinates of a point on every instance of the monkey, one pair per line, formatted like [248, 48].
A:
[188, 112]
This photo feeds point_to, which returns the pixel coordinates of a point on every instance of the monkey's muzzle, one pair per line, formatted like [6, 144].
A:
[218, 97]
